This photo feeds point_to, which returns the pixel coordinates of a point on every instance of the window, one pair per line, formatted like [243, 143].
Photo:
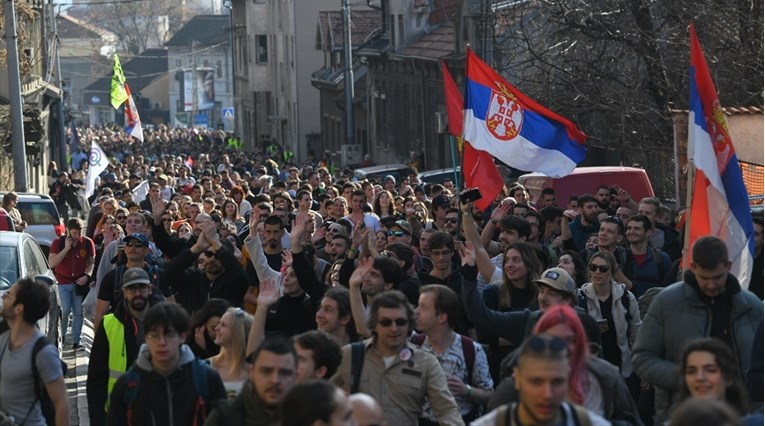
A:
[261, 47]
[219, 69]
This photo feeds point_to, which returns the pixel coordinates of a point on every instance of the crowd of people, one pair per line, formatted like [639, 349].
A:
[246, 289]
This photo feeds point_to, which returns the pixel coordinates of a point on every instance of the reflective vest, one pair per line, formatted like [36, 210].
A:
[115, 335]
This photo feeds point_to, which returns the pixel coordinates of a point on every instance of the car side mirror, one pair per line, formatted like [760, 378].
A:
[46, 279]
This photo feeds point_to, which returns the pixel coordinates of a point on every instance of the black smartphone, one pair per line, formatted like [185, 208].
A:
[470, 195]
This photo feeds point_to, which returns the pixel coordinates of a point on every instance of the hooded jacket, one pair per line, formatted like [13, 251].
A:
[164, 399]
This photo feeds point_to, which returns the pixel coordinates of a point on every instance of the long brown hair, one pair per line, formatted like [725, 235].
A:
[533, 266]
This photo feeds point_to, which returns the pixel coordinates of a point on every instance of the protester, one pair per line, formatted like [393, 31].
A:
[231, 337]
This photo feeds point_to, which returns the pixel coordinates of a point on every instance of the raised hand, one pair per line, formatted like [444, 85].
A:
[269, 293]
[467, 253]
[286, 258]
[363, 267]
[158, 207]
[299, 224]
[502, 210]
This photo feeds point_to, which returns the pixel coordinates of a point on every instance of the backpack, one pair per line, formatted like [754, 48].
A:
[468, 352]
[629, 269]
[581, 415]
[156, 295]
[199, 377]
[582, 302]
[46, 404]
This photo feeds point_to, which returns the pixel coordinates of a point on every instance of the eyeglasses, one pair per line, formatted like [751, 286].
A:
[450, 220]
[387, 322]
[156, 336]
[209, 253]
[397, 234]
[121, 217]
[602, 268]
[539, 343]
[135, 244]
[133, 289]
[390, 254]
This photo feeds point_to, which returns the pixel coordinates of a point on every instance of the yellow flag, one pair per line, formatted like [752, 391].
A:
[119, 94]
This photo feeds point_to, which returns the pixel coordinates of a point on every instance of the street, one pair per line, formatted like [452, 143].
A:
[77, 375]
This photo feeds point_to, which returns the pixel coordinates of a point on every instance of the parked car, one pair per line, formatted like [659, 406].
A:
[586, 180]
[42, 217]
[439, 175]
[378, 173]
[21, 256]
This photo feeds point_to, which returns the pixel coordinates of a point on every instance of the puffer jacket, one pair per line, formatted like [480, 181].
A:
[626, 333]
[678, 314]
[164, 399]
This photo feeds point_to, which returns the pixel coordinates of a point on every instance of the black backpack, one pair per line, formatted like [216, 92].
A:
[46, 404]
[156, 295]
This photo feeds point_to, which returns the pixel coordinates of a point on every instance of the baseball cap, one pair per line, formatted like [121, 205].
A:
[557, 279]
[441, 201]
[136, 236]
[404, 225]
[134, 276]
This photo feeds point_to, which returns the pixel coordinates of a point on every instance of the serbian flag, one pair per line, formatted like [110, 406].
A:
[132, 119]
[719, 202]
[477, 166]
[507, 124]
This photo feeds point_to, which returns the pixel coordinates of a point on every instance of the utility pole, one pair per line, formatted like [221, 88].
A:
[194, 100]
[350, 125]
[61, 126]
[14, 94]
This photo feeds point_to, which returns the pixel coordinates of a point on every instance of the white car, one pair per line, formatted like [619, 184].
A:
[21, 256]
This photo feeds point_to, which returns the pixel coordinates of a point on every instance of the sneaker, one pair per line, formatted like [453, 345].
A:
[76, 346]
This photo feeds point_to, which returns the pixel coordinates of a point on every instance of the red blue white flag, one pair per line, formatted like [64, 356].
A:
[719, 202]
[515, 129]
[477, 166]
[132, 119]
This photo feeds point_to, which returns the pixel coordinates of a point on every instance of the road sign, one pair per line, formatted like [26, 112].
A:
[228, 113]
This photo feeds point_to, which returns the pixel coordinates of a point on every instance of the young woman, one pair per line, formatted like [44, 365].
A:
[383, 204]
[710, 372]
[243, 206]
[201, 338]
[617, 313]
[514, 287]
[231, 335]
[572, 262]
[231, 214]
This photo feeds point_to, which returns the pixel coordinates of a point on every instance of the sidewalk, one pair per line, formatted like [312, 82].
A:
[77, 375]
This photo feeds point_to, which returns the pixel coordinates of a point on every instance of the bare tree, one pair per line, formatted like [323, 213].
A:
[140, 25]
[617, 67]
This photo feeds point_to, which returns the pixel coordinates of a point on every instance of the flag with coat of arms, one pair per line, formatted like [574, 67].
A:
[514, 128]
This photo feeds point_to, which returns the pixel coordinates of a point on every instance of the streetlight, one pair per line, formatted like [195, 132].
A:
[229, 4]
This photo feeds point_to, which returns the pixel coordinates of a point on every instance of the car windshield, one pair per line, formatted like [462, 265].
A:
[38, 213]
[9, 264]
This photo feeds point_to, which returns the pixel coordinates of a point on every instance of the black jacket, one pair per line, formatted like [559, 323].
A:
[98, 365]
[165, 400]
[194, 288]
[169, 245]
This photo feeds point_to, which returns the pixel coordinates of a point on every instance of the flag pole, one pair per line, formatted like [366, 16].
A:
[452, 148]
[686, 262]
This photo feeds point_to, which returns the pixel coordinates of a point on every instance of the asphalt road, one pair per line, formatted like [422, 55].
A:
[77, 374]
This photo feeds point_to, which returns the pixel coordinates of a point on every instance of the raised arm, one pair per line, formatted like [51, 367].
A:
[482, 259]
[258, 257]
[268, 295]
[357, 303]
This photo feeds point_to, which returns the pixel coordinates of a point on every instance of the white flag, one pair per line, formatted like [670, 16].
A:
[98, 163]
[141, 191]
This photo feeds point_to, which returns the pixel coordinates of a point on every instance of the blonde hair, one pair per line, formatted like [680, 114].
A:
[241, 322]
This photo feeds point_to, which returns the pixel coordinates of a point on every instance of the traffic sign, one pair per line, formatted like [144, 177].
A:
[228, 113]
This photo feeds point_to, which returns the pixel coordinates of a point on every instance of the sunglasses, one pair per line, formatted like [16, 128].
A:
[450, 220]
[121, 217]
[135, 244]
[396, 234]
[602, 268]
[209, 253]
[400, 322]
[540, 344]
